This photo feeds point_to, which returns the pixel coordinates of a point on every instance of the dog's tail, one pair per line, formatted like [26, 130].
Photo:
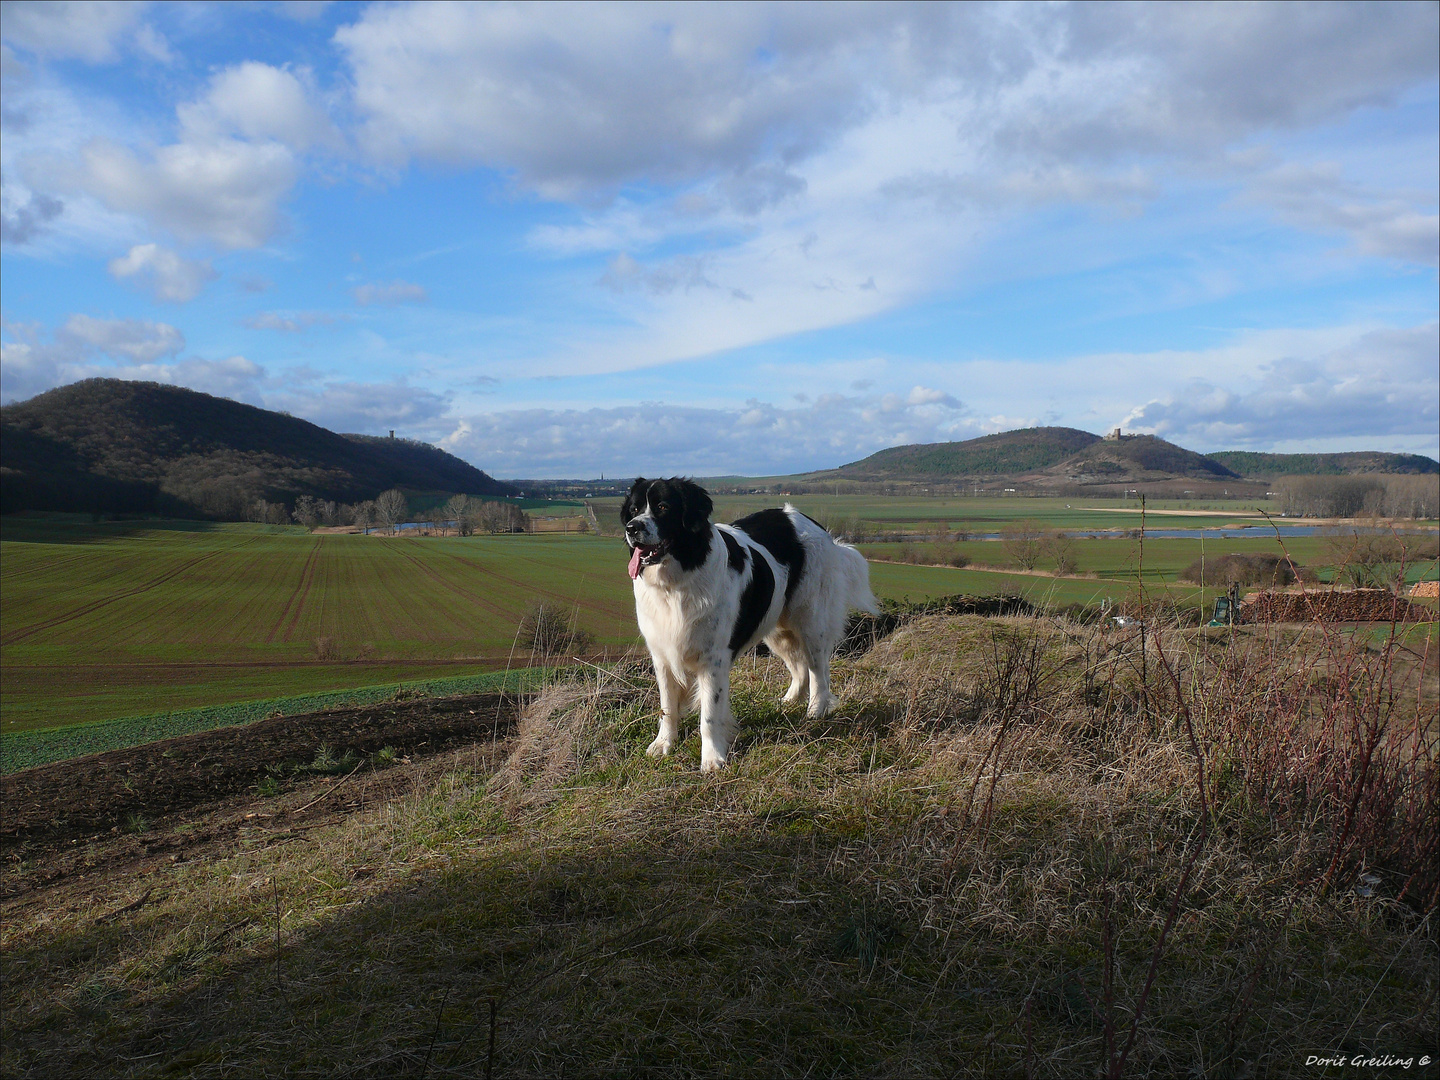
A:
[857, 579]
[851, 567]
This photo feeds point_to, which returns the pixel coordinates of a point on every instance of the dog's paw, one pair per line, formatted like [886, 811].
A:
[711, 761]
[794, 694]
[659, 748]
[821, 706]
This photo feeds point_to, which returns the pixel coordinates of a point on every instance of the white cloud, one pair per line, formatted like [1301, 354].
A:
[755, 438]
[86, 347]
[1384, 382]
[292, 323]
[958, 124]
[367, 408]
[389, 293]
[232, 377]
[1340, 387]
[924, 395]
[1318, 198]
[575, 98]
[226, 191]
[152, 43]
[222, 181]
[256, 101]
[91, 30]
[164, 273]
[133, 339]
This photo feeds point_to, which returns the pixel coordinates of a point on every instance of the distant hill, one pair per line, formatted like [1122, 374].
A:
[1056, 457]
[1043, 456]
[1136, 458]
[1006, 454]
[109, 445]
[1247, 463]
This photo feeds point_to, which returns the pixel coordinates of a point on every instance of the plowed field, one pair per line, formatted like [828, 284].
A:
[84, 798]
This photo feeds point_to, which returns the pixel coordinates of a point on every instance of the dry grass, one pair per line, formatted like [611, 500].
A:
[1013, 837]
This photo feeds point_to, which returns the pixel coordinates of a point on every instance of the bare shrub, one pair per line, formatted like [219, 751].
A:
[1374, 559]
[547, 631]
[324, 648]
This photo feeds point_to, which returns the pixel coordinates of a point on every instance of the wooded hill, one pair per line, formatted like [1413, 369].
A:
[114, 446]
[1248, 463]
[1060, 456]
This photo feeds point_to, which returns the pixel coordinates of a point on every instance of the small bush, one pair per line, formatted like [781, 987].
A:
[1248, 569]
[545, 631]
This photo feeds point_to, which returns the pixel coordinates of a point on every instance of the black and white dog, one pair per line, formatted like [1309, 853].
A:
[705, 593]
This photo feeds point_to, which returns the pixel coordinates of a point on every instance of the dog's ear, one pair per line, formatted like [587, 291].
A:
[697, 505]
[632, 503]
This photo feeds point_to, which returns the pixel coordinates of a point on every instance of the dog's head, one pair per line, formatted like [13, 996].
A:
[663, 518]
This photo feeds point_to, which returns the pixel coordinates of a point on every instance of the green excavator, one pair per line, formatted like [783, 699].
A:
[1227, 608]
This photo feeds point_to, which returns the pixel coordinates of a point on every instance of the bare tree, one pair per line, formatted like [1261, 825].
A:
[308, 511]
[391, 508]
[455, 511]
[1061, 547]
[365, 515]
[1023, 541]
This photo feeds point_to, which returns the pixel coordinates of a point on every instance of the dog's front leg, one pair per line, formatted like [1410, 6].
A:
[717, 722]
[672, 693]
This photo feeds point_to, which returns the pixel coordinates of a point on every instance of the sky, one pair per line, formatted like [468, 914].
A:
[612, 239]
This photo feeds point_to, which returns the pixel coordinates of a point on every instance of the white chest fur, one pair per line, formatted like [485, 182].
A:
[684, 616]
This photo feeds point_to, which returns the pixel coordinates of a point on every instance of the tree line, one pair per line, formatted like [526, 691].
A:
[464, 514]
[1375, 495]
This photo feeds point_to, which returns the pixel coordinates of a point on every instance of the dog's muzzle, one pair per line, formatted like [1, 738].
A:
[643, 555]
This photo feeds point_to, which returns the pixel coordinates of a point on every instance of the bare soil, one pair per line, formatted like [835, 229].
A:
[91, 818]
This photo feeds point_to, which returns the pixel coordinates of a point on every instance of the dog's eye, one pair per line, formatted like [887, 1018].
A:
[662, 508]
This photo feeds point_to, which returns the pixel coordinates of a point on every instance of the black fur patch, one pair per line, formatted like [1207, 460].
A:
[775, 532]
[754, 603]
[736, 552]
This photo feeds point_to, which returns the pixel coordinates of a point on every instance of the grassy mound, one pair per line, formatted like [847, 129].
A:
[1022, 846]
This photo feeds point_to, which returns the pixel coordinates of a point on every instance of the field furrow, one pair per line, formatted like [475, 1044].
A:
[95, 605]
[287, 620]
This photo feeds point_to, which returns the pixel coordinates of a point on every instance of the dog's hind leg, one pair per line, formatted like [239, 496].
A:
[717, 720]
[788, 646]
[821, 699]
[672, 694]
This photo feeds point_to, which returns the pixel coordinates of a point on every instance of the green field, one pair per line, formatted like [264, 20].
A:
[979, 514]
[124, 619]
[127, 619]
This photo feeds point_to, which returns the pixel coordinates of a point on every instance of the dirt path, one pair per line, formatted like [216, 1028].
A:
[176, 799]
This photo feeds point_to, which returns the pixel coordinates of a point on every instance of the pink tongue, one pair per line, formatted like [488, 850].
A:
[634, 563]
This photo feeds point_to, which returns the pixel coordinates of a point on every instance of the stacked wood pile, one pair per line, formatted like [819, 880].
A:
[1357, 605]
[1426, 588]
